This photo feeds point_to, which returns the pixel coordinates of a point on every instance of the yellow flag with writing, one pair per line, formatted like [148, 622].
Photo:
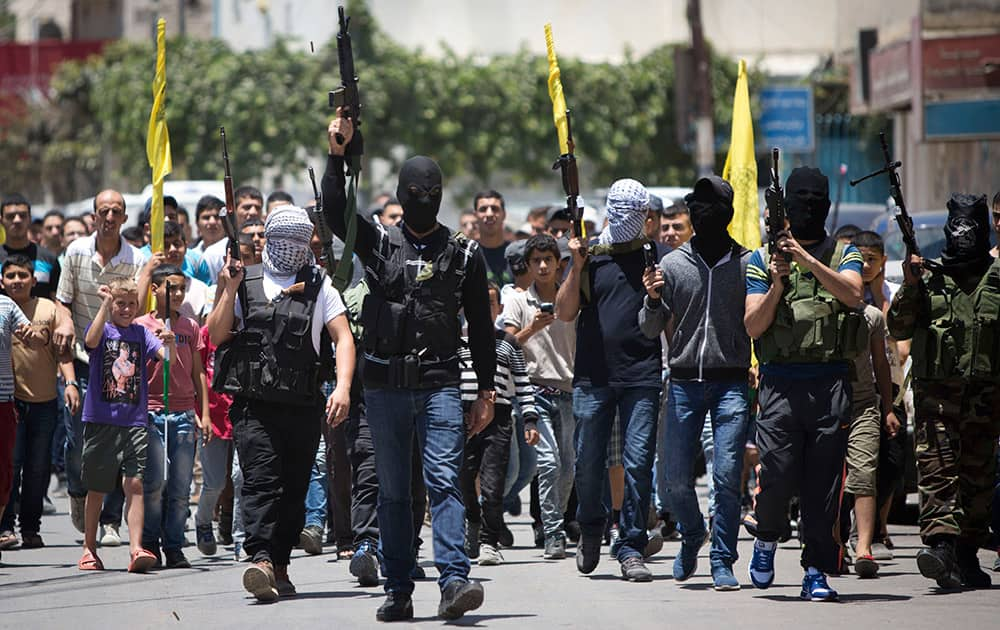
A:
[556, 93]
[741, 168]
[158, 140]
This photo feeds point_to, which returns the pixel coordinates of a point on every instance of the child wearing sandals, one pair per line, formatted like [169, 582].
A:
[114, 415]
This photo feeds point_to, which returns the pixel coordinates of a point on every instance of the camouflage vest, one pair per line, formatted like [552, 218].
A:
[960, 336]
[811, 325]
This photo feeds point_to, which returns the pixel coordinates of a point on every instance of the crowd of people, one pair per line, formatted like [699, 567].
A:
[458, 369]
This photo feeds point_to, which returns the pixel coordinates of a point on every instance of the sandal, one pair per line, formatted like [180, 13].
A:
[142, 561]
[89, 562]
[345, 554]
[866, 567]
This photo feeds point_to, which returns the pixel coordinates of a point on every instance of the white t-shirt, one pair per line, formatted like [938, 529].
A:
[214, 258]
[197, 300]
[328, 306]
[550, 352]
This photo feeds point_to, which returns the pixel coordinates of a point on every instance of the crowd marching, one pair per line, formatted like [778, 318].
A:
[459, 369]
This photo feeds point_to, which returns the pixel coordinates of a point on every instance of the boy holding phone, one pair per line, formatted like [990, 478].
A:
[549, 347]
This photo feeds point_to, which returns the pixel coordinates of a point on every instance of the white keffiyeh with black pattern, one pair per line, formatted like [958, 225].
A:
[288, 231]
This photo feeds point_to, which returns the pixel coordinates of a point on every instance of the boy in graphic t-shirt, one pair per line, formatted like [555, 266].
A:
[173, 429]
[114, 416]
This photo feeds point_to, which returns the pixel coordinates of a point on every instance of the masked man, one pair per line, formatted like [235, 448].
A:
[273, 366]
[952, 317]
[692, 296]
[803, 317]
[617, 371]
[420, 276]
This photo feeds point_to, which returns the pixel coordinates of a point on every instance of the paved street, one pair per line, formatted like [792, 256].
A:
[43, 589]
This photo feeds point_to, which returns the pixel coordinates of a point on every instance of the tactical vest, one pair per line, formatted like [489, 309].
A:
[419, 316]
[959, 335]
[811, 325]
[273, 359]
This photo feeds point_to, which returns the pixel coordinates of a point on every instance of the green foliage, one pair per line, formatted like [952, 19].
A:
[483, 119]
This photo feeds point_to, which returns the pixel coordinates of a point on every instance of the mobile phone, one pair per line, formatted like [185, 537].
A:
[547, 307]
[649, 254]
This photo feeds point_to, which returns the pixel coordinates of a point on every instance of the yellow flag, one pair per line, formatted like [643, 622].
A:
[158, 140]
[556, 93]
[741, 168]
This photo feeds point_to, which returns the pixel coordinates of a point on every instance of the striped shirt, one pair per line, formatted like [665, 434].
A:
[511, 376]
[10, 318]
[82, 276]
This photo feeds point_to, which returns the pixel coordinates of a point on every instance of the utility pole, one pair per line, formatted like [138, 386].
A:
[703, 120]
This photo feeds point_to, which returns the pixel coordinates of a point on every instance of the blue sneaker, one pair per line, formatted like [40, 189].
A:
[723, 578]
[686, 561]
[762, 563]
[364, 564]
[815, 588]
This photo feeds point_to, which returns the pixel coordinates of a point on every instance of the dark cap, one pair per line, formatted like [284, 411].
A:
[711, 190]
[515, 257]
[655, 203]
[558, 213]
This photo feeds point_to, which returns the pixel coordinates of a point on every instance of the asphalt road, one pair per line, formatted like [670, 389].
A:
[42, 588]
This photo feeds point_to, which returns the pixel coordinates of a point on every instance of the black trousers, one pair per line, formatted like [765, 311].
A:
[277, 447]
[364, 487]
[338, 502]
[486, 456]
[802, 437]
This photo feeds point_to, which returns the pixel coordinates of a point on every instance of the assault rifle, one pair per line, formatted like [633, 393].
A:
[566, 164]
[228, 216]
[903, 218]
[327, 258]
[776, 214]
[347, 97]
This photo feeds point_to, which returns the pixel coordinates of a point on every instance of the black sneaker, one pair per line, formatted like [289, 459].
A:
[588, 553]
[459, 597]
[311, 540]
[31, 540]
[505, 537]
[175, 559]
[938, 563]
[971, 573]
[634, 570]
[397, 607]
[539, 532]
[572, 531]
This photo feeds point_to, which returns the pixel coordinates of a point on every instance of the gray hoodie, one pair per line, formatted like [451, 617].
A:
[708, 339]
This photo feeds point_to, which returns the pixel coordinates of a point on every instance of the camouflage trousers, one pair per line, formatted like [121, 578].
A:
[957, 425]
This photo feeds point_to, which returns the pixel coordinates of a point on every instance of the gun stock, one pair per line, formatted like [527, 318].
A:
[566, 164]
[327, 259]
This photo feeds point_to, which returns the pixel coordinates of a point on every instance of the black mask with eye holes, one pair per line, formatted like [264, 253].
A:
[807, 198]
[419, 192]
[966, 255]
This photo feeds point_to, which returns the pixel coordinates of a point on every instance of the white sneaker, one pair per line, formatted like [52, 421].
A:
[489, 555]
[881, 552]
[111, 538]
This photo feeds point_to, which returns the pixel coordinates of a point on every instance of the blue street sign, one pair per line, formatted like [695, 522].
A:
[786, 118]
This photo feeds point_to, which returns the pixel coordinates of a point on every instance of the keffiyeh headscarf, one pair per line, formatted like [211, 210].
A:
[628, 202]
[288, 231]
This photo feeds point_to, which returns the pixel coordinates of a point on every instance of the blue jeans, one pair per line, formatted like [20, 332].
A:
[166, 503]
[556, 457]
[214, 457]
[317, 493]
[435, 417]
[726, 403]
[594, 408]
[239, 530]
[32, 463]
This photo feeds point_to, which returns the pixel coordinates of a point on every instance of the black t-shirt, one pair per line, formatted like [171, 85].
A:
[611, 351]
[46, 268]
[497, 269]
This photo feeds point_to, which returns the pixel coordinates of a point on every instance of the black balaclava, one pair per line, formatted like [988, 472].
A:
[711, 206]
[807, 198]
[966, 255]
[419, 192]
